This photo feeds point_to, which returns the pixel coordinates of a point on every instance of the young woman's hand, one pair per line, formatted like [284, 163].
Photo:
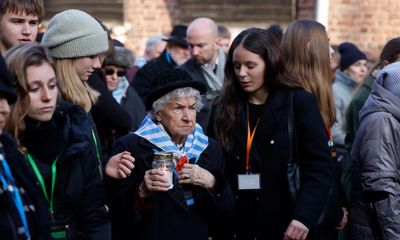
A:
[296, 231]
[120, 165]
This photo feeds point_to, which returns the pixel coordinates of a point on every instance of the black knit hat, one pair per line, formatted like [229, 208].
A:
[170, 80]
[6, 87]
[349, 54]
[178, 36]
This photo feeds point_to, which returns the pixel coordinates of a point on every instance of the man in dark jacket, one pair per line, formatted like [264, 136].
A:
[207, 63]
[176, 53]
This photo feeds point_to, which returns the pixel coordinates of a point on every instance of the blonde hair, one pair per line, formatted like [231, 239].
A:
[72, 87]
[305, 47]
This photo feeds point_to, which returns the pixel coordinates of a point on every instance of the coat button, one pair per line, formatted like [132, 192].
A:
[272, 142]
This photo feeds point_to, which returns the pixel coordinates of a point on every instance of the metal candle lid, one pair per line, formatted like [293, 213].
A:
[163, 156]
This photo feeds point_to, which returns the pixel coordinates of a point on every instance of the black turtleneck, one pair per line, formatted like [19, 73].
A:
[42, 139]
[254, 113]
[43, 142]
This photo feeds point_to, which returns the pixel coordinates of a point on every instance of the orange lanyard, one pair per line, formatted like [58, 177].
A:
[330, 141]
[331, 145]
[250, 136]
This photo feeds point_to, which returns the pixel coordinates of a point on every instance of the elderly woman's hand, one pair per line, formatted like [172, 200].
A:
[120, 165]
[154, 180]
[196, 175]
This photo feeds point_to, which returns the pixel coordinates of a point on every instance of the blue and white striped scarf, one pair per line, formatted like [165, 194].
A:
[120, 91]
[195, 143]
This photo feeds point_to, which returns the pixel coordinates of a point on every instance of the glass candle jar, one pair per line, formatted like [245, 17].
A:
[164, 161]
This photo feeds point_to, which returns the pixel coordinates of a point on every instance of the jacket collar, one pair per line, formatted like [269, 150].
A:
[345, 79]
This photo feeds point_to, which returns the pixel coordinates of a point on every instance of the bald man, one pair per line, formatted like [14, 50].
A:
[207, 62]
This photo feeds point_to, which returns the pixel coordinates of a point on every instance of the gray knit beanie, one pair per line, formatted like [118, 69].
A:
[389, 78]
[120, 57]
[74, 33]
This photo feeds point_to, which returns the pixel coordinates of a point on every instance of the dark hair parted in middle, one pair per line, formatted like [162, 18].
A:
[233, 97]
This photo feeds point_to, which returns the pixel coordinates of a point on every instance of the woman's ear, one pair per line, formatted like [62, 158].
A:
[157, 115]
[385, 62]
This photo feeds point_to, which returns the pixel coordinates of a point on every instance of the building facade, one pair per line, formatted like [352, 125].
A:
[368, 23]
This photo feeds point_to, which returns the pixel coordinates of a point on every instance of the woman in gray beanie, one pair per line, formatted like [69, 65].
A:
[75, 39]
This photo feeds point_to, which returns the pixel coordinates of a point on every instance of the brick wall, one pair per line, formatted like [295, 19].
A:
[148, 18]
[151, 17]
[367, 23]
[306, 9]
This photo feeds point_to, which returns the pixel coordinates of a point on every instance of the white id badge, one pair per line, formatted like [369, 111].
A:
[248, 181]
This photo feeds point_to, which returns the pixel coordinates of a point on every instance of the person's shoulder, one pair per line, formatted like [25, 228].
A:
[189, 65]
[66, 109]
[8, 143]
[303, 96]
[129, 139]
[299, 95]
[213, 145]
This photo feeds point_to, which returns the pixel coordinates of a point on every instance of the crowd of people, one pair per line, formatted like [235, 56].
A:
[269, 136]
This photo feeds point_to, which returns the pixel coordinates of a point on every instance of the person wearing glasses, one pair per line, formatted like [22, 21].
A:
[114, 69]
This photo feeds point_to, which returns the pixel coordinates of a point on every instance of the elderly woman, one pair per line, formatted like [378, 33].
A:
[184, 209]
[114, 69]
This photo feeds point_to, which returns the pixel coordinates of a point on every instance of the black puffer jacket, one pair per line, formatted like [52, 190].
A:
[79, 195]
[36, 206]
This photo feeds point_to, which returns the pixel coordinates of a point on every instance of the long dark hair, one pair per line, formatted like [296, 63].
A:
[390, 53]
[233, 98]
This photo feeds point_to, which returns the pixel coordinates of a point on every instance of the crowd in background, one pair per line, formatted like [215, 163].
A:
[274, 134]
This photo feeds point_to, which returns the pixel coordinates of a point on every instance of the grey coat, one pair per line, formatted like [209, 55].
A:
[342, 91]
[375, 213]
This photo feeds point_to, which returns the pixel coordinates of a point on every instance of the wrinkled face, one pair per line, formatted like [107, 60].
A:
[156, 51]
[178, 118]
[42, 91]
[113, 75]
[358, 70]
[4, 112]
[203, 46]
[16, 29]
[85, 66]
[249, 70]
[179, 54]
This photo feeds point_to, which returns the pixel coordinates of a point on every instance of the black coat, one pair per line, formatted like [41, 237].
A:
[38, 217]
[266, 213]
[194, 71]
[133, 104]
[143, 82]
[110, 118]
[79, 199]
[168, 216]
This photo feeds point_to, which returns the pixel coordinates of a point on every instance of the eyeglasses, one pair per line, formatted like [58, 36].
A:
[110, 71]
